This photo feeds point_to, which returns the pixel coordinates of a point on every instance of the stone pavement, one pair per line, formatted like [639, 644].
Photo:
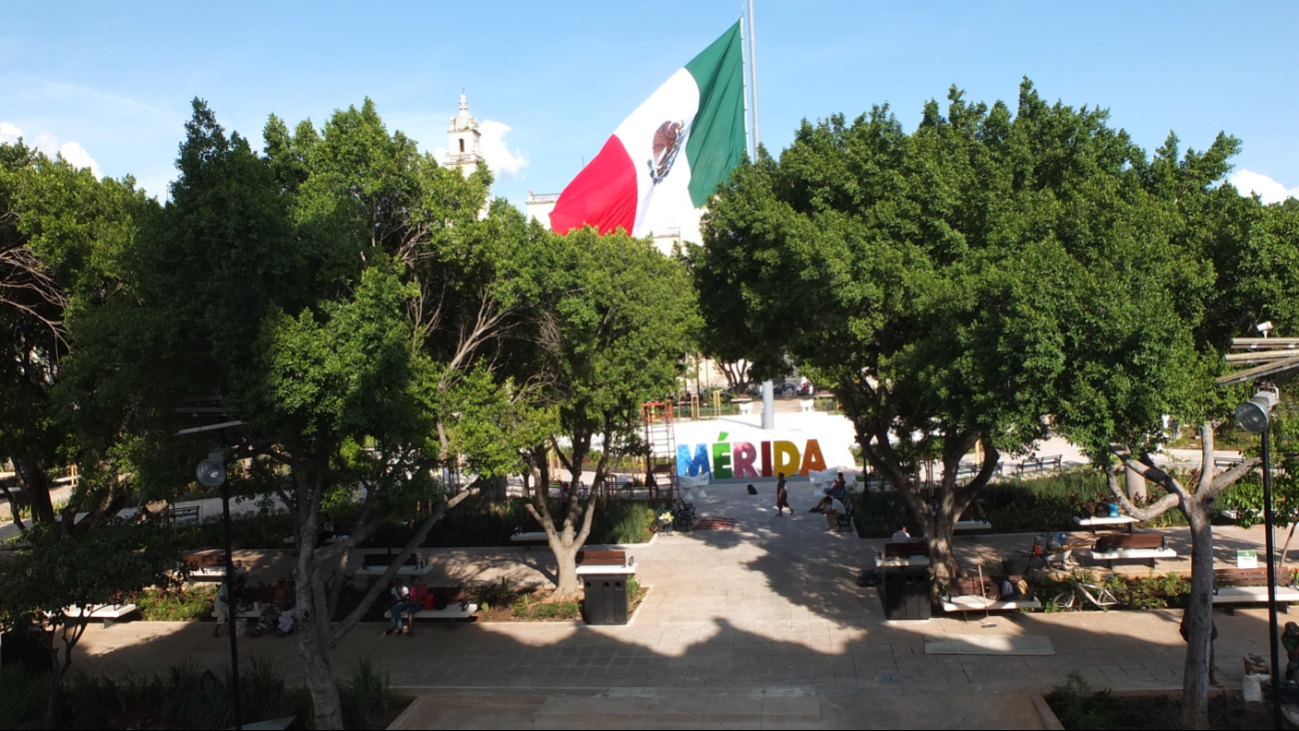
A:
[769, 610]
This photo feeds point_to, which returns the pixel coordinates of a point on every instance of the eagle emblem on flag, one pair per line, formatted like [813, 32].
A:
[667, 143]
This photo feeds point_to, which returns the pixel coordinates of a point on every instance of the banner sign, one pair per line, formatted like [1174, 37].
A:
[723, 460]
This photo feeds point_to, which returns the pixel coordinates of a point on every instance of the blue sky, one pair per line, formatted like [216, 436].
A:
[112, 82]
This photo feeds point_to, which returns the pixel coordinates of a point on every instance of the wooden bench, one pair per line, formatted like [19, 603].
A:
[605, 562]
[186, 516]
[1106, 522]
[968, 594]
[1041, 464]
[375, 564]
[211, 566]
[903, 554]
[1138, 546]
[1249, 586]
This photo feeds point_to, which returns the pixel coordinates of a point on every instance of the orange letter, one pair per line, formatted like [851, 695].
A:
[812, 459]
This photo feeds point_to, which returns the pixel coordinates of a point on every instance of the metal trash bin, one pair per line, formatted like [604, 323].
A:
[606, 599]
[906, 594]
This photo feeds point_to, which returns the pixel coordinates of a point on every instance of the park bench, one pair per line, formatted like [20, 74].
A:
[971, 522]
[529, 537]
[903, 554]
[374, 564]
[843, 522]
[1106, 522]
[971, 594]
[211, 566]
[1249, 586]
[455, 604]
[1138, 546]
[605, 562]
[108, 613]
[182, 517]
[1041, 464]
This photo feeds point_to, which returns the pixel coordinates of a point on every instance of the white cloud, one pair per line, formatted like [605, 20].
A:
[77, 155]
[504, 164]
[1269, 190]
[73, 152]
[9, 133]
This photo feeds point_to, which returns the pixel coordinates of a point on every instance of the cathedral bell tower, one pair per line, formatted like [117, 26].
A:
[463, 141]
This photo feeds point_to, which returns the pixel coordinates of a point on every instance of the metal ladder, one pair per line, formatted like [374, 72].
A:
[661, 449]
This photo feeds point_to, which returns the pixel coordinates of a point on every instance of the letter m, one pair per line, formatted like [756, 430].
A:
[687, 467]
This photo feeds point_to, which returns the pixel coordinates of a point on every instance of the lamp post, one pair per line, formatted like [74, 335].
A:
[1255, 417]
[212, 473]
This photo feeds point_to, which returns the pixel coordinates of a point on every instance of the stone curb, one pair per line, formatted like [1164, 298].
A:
[1049, 720]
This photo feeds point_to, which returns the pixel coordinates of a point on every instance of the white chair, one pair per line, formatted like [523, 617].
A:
[746, 409]
[807, 405]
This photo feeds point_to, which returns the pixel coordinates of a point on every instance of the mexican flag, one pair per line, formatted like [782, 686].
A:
[655, 173]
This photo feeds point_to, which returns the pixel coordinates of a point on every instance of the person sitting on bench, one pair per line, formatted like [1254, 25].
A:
[837, 491]
[399, 602]
[832, 511]
[901, 536]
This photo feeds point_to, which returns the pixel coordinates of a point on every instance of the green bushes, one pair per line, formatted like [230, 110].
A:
[187, 697]
[1045, 504]
[526, 608]
[615, 521]
[174, 605]
[1144, 592]
[1079, 707]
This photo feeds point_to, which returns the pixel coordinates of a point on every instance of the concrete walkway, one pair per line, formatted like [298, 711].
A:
[743, 619]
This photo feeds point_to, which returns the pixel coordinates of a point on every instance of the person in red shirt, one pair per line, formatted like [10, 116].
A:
[418, 592]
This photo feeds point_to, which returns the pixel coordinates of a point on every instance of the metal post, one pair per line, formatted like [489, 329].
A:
[1273, 637]
[232, 605]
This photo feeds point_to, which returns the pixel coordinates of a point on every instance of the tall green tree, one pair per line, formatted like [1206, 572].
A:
[60, 231]
[344, 296]
[625, 316]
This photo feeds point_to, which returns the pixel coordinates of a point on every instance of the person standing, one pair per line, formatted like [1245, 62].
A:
[222, 607]
[782, 496]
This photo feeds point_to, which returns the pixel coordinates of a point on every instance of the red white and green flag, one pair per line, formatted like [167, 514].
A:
[658, 169]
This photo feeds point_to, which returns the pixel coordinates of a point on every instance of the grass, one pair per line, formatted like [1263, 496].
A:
[189, 697]
[1079, 707]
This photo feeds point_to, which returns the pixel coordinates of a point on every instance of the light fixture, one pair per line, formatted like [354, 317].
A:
[1254, 414]
[1264, 327]
[212, 471]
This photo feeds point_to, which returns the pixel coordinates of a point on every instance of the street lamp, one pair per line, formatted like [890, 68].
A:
[211, 472]
[1255, 417]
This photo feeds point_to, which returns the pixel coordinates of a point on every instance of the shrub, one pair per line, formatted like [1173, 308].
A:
[367, 696]
[174, 605]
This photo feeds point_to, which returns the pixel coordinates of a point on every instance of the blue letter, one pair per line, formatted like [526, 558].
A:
[687, 467]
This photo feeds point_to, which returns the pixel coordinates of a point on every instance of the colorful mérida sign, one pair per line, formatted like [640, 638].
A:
[724, 460]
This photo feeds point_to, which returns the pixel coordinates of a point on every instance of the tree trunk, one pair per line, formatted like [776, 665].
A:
[495, 490]
[1199, 621]
[1136, 486]
[940, 532]
[314, 643]
[567, 586]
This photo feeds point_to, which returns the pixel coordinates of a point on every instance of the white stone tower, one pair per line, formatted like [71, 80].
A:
[464, 150]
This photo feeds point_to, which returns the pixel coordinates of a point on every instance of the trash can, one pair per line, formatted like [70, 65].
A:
[906, 594]
[606, 599]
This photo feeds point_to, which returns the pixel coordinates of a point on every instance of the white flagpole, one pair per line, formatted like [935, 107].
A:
[768, 389]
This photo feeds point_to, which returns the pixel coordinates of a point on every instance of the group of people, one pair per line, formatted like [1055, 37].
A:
[403, 603]
[276, 616]
[831, 505]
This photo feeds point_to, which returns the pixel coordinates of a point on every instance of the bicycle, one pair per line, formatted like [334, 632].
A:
[1084, 586]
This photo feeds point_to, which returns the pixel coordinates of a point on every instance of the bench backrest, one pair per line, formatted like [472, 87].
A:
[907, 549]
[375, 560]
[602, 558]
[1136, 540]
[1240, 577]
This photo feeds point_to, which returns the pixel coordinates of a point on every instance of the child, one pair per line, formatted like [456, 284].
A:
[782, 496]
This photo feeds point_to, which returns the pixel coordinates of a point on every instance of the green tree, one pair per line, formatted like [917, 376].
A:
[625, 315]
[345, 297]
[60, 231]
[52, 581]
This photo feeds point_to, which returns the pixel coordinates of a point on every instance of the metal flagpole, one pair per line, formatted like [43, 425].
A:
[768, 389]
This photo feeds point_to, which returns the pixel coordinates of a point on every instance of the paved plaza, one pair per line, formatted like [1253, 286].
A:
[763, 625]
